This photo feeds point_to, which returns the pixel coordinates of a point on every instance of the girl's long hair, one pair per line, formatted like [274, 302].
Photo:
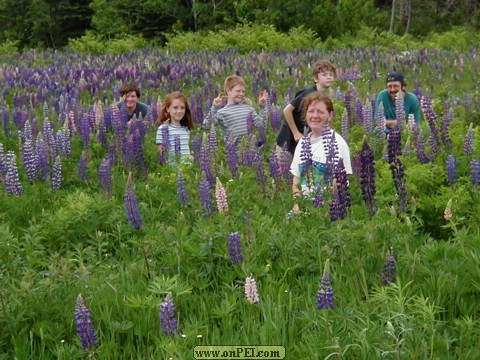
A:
[186, 121]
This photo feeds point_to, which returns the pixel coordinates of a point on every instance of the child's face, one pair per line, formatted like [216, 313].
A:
[130, 99]
[176, 110]
[324, 78]
[236, 94]
[317, 115]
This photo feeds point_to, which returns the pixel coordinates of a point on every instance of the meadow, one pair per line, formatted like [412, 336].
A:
[98, 213]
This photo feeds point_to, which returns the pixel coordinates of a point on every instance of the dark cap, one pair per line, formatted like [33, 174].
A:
[395, 76]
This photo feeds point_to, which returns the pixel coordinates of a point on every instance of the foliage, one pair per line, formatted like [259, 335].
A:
[244, 38]
[92, 44]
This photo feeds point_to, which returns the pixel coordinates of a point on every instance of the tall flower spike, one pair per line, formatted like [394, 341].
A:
[468, 142]
[57, 173]
[221, 197]
[167, 315]
[131, 206]
[85, 330]
[12, 181]
[251, 292]
[235, 248]
[451, 167]
[447, 214]
[231, 153]
[105, 178]
[325, 292]
[205, 196]
[182, 189]
[389, 269]
[475, 172]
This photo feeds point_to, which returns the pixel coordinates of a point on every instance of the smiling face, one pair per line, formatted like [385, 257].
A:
[236, 94]
[317, 117]
[130, 100]
[393, 87]
[176, 111]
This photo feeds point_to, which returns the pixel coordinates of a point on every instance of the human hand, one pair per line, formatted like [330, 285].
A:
[262, 98]
[296, 209]
[218, 100]
[247, 101]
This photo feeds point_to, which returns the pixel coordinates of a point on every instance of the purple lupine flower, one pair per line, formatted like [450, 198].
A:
[205, 163]
[251, 292]
[342, 186]
[167, 315]
[3, 165]
[275, 118]
[196, 146]
[102, 133]
[262, 135]
[42, 154]
[82, 166]
[57, 173]
[105, 177]
[27, 131]
[131, 205]
[389, 269]
[335, 204]
[394, 143]
[49, 138]
[284, 161]
[177, 146]
[85, 330]
[6, 122]
[325, 291]
[451, 168]
[358, 111]
[235, 248]
[30, 161]
[318, 200]
[398, 175]
[475, 172]
[331, 150]
[380, 129]
[400, 110]
[367, 177]
[420, 146]
[250, 123]
[205, 196]
[345, 125]
[468, 142]
[444, 126]
[368, 116]
[259, 167]
[213, 141]
[231, 154]
[221, 197]
[12, 180]
[431, 117]
[247, 152]
[182, 188]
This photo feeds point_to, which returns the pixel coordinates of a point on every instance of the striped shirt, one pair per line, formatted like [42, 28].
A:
[174, 131]
[233, 118]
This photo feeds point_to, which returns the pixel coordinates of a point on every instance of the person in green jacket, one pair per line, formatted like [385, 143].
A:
[396, 84]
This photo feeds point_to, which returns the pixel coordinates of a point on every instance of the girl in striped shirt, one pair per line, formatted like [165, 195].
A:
[173, 129]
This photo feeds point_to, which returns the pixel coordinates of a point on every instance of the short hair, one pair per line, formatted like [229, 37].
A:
[232, 81]
[323, 65]
[396, 76]
[186, 121]
[125, 89]
[313, 98]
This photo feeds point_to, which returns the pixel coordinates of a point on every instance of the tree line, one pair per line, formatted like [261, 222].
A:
[51, 23]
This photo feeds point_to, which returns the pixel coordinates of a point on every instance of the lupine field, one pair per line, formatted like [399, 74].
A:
[109, 252]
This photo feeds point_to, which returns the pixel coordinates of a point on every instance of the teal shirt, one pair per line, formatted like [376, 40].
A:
[412, 106]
